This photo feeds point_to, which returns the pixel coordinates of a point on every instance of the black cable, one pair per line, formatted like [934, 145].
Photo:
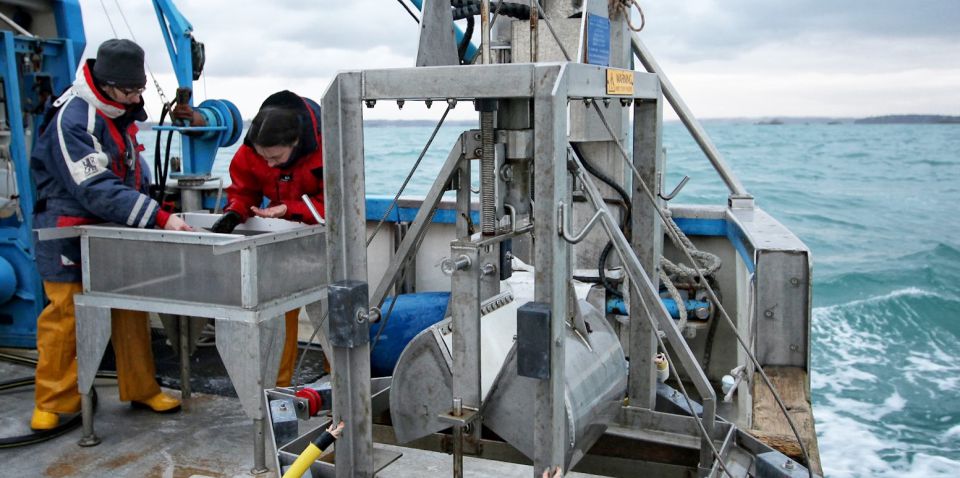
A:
[407, 8]
[166, 169]
[624, 225]
[465, 42]
[469, 8]
[158, 169]
[40, 436]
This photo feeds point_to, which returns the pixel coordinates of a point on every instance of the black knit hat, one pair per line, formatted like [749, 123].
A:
[120, 63]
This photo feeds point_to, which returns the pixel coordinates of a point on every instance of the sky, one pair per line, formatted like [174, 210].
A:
[727, 58]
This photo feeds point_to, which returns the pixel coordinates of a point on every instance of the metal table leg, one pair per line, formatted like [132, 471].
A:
[184, 342]
[251, 355]
[93, 334]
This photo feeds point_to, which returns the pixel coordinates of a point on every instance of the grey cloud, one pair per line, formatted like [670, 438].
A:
[699, 30]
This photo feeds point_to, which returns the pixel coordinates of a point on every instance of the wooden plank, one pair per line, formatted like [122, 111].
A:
[769, 424]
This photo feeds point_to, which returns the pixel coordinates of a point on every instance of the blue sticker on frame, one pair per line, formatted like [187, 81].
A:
[598, 40]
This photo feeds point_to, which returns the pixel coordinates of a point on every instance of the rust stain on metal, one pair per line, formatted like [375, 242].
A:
[121, 460]
[69, 464]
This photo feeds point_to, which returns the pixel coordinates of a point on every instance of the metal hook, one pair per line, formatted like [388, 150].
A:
[563, 227]
[676, 190]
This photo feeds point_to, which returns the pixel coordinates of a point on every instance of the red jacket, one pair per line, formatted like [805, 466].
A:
[253, 179]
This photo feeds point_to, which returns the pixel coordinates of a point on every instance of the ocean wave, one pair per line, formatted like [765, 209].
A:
[935, 270]
[882, 366]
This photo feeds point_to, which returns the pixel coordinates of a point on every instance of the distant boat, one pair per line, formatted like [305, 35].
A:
[774, 121]
[835, 122]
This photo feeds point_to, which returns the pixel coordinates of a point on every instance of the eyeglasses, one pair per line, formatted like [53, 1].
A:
[130, 91]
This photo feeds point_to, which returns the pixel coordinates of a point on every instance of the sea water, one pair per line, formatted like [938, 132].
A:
[878, 205]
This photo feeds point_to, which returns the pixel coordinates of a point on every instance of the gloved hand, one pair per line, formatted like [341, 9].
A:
[227, 223]
[183, 112]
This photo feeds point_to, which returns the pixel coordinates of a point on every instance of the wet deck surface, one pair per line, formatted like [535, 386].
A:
[212, 438]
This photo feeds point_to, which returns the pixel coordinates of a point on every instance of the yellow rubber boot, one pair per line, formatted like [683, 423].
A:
[42, 420]
[160, 403]
[289, 358]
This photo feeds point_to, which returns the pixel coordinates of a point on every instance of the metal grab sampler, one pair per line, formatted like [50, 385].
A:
[550, 89]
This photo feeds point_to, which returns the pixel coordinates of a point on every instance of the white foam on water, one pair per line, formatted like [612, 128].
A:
[848, 448]
[926, 466]
[866, 410]
[861, 356]
[852, 449]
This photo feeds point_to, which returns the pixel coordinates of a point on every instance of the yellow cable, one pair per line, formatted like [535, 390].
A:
[303, 462]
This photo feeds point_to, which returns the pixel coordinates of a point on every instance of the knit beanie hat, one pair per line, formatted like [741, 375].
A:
[120, 63]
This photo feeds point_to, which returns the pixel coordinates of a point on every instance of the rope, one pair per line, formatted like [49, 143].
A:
[675, 295]
[303, 355]
[413, 170]
[107, 14]
[706, 263]
[713, 296]
[623, 7]
[156, 84]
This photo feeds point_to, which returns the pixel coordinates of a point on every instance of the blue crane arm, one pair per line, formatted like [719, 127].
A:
[177, 34]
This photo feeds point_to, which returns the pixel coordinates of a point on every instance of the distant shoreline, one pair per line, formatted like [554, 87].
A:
[764, 120]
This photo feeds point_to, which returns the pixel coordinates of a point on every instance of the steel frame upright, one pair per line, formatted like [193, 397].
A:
[342, 120]
[551, 86]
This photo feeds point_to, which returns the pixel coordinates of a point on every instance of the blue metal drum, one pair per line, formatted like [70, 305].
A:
[412, 314]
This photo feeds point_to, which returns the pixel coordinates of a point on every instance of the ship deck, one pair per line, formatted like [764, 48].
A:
[210, 438]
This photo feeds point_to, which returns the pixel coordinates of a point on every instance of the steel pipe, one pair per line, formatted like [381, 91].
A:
[693, 126]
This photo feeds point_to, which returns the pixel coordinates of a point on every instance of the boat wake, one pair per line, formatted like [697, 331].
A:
[884, 368]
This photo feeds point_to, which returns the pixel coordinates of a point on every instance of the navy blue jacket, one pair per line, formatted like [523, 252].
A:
[88, 170]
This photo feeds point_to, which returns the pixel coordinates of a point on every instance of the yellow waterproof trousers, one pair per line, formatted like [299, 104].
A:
[289, 358]
[56, 382]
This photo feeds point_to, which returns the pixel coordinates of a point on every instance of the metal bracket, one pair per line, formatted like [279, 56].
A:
[533, 340]
[466, 417]
[349, 314]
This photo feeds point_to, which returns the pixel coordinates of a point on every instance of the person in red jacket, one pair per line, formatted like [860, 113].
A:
[280, 160]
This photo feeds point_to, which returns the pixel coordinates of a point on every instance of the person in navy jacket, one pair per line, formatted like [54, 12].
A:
[87, 168]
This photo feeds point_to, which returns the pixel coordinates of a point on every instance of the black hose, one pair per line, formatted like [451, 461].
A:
[468, 8]
[158, 165]
[41, 435]
[166, 170]
[624, 224]
[465, 42]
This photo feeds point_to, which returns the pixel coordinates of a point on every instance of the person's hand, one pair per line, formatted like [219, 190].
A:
[183, 112]
[275, 211]
[335, 431]
[174, 223]
[227, 223]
